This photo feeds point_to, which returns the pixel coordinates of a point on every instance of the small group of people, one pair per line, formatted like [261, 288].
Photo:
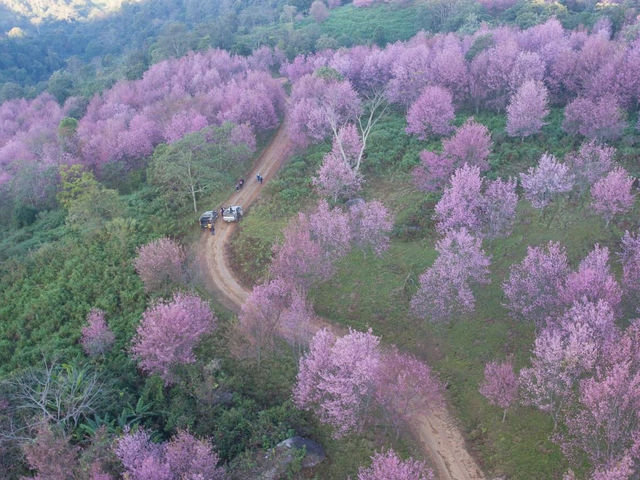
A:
[240, 184]
[259, 178]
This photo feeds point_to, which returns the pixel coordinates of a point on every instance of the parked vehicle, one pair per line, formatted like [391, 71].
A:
[232, 214]
[207, 219]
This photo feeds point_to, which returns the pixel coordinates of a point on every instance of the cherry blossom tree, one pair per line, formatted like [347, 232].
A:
[499, 207]
[370, 226]
[593, 280]
[461, 203]
[319, 107]
[386, 465]
[50, 455]
[189, 457]
[338, 176]
[296, 322]
[259, 321]
[604, 422]
[319, 11]
[433, 172]
[533, 284]
[630, 258]
[184, 456]
[97, 337]
[471, 143]
[300, 260]
[168, 333]
[611, 195]
[337, 377]
[500, 385]
[405, 385]
[527, 110]
[445, 287]
[467, 203]
[600, 119]
[546, 181]
[567, 351]
[431, 114]
[160, 264]
[332, 229]
[589, 164]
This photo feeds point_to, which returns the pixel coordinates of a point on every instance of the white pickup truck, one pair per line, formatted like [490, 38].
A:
[232, 213]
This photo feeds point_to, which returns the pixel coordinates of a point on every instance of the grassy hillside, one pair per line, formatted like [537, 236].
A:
[370, 292]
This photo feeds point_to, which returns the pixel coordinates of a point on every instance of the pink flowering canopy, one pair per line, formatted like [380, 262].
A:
[97, 337]
[386, 465]
[431, 114]
[533, 284]
[546, 181]
[590, 163]
[500, 385]
[337, 378]
[611, 195]
[168, 333]
[593, 281]
[467, 203]
[184, 456]
[160, 264]
[527, 110]
[445, 287]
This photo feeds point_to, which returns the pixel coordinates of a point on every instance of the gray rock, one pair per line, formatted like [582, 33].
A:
[314, 452]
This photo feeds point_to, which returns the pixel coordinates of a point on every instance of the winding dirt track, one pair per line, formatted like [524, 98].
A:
[436, 431]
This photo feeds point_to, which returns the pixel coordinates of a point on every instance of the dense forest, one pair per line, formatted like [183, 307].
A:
[439, 243]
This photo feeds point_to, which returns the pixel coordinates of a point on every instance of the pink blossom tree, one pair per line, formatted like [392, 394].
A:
[611, 195]
[445, 287]
[600, 119]
[499, 208]
[50, 455]
[336, 179]
[259, 321]
[331, 228]
[405, 385]
[189, 457]
[461, 203]
[606, 425]
[589, 164]
[593, 281]
[296, 322]
[630, 258]
[433, 172]
[431, 114]
[160, 264]
[319, 107]
[339, 175]
[527, 110]
[97, 337]
[337, 377]
[467, 203]
[168, 333]
[471, 143]
[300, 260]
[388, 466]
[533, 284]
[184, 456]
[500, 385]
[567, 351]
[548, 180]
[370, 226]
[319, 11]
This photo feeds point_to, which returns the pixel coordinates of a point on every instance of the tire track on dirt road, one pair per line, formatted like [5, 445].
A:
[436, 431]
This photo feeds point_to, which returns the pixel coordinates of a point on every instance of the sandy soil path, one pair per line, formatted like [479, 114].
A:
[436, 431]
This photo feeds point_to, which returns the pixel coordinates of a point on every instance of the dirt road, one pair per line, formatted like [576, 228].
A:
[436, 431]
